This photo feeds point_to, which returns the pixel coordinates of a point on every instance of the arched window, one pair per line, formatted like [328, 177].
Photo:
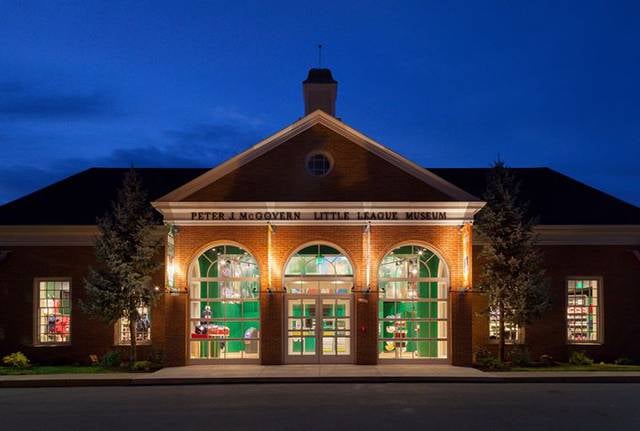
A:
[412, 314]
[318, 280]
[224, 309]
[318, 269]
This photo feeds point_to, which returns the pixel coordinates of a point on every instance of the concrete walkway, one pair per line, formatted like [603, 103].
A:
[315, 371]
[239, 374]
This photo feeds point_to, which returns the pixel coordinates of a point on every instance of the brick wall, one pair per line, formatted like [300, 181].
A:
[280, 175]
[88, 335]
[620, 272]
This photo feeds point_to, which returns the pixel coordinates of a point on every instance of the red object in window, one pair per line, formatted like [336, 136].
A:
[62, 325]
[199, 336]
[219, 331]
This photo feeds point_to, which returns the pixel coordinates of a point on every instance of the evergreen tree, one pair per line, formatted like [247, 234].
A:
[127, 252]
[512, 276]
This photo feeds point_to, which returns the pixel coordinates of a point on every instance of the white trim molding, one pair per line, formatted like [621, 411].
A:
[318, 213]
[305, 123]
[583, 235]
[457, 214]
[32, 235]
[52, 235]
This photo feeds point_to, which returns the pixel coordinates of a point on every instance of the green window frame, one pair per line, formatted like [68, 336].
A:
[413, 282]
[224, 305]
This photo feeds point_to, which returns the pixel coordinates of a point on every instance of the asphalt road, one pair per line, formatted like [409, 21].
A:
[398, 407]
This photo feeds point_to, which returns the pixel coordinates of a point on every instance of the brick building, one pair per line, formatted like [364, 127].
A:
[318, 244]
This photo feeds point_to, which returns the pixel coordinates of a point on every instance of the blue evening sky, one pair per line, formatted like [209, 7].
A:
[444, 83]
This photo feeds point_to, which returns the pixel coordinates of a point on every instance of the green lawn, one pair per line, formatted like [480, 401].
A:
[594, 367]
[55, 369]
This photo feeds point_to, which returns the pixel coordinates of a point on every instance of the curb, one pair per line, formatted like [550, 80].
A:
[39, 383]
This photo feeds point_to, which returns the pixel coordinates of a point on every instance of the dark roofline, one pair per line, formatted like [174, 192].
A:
[554, 197]
[554, 171]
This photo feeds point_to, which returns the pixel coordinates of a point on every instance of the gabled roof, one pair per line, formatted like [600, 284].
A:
[78, 200]
[337, 126]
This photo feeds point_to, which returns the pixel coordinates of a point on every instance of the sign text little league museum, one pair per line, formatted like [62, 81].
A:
[317, 215]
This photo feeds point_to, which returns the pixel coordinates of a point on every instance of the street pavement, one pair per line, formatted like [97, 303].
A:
[345, 406]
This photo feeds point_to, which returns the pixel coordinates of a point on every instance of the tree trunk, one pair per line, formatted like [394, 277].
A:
[501, 343]
[132, 348]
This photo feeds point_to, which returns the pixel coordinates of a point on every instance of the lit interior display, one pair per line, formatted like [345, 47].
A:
[224, 305]
[143, 328]
[54, 312]
[513, 334]
[583, 305]
[412, 313]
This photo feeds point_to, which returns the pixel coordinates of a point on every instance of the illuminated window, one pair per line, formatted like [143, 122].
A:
[513, 334]
[319, 269]
[318, 281]
[412, 319]
[53, 314]
[224, 305]
[143, 329]
[584, 296]
[318, 164]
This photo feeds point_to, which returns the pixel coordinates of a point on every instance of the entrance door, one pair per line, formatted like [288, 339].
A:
[319, 329]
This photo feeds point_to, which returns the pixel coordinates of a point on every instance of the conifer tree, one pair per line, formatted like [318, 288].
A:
[512, 275]
[127, 252]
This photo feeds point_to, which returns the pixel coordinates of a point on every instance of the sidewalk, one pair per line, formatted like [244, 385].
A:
[253, 374]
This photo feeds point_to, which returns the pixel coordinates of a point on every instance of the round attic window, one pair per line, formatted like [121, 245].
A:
[319, 164]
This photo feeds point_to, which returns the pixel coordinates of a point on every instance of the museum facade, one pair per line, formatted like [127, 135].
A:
[318, 245]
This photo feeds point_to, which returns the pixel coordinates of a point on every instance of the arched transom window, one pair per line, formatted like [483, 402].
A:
[319, 269]
[413, 284]
[224, 309]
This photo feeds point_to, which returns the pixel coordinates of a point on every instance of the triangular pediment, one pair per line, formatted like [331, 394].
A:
[274, 170]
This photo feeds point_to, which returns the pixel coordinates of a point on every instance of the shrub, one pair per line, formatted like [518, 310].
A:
[142, 366]
[491, 364]
[547, 361]
[157, 357]
[520, 356]
[16, 360]
[112, 359]
[486, 361]
[624, 360]
[580, 358]
[482, 354]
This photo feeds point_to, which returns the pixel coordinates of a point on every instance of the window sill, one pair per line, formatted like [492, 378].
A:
[146, 343]
[52, 345]
[585, 343]
[507, 343]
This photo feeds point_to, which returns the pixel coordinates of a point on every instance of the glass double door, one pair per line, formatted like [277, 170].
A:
[318, 329]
